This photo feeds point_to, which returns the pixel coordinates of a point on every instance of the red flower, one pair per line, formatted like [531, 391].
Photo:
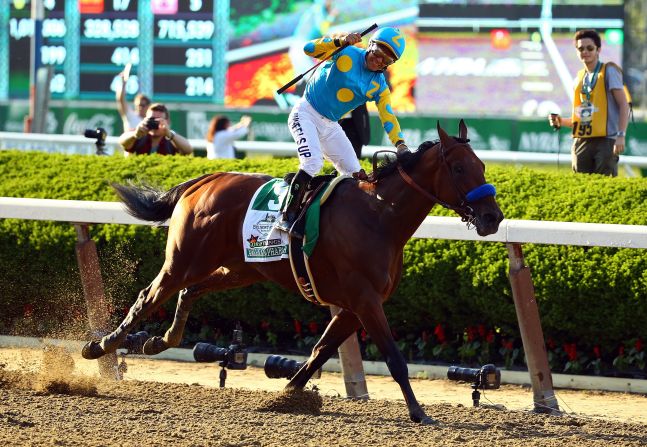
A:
[297, 327]
[571, 351]
[551, 343]
[639, 345]
[363, 335]
[471, 333]
[621, 350]
[508, 344]
[313, 327]
[27, 310]
[490, 336]
[265, 325]
[596, 352]
[439, 332]
[481, 330]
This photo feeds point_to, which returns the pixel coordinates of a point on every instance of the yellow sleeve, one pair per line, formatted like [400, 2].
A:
[389, 121]
[321, 48]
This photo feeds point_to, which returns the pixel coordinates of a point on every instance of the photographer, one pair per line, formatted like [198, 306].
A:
[154, 135]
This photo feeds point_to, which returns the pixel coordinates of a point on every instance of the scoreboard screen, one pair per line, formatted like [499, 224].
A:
[459, 54]
[108, 41]
[183, 53]
[168, 43]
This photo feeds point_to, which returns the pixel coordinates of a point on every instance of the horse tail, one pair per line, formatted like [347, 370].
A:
[149, 203]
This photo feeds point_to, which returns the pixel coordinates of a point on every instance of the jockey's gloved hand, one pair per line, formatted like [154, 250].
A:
[401, 147]
[352, 39]
[360, 175]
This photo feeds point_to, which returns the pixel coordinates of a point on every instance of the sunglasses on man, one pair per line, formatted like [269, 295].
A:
[380, 52]
[586, 48]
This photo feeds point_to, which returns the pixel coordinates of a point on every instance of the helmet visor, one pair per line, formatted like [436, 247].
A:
[385, 55]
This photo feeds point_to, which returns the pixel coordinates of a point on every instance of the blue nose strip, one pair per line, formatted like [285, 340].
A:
[479, 192]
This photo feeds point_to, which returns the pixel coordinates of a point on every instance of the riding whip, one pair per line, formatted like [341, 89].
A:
[298, 78]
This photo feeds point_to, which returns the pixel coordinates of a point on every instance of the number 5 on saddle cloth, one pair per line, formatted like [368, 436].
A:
[262, 242]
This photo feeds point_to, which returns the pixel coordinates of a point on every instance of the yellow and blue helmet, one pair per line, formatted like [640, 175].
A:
[391, 38]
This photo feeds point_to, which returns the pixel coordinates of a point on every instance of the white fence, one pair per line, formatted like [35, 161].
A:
[510, 231]
[77, 144]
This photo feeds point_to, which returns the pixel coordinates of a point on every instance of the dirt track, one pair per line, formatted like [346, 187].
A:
[34, 412]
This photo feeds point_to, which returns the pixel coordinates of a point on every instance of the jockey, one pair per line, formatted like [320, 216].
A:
[351, 78]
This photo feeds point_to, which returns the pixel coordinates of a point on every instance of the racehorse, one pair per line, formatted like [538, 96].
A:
[357, 260]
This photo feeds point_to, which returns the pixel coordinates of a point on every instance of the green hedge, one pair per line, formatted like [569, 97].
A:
[590, 296]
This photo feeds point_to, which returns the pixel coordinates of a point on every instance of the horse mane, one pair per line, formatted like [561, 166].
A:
[406, 160]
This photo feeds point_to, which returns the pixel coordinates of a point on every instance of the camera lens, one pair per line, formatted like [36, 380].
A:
[205, 353]
[462, 374]
[152, 124]
[277, 367]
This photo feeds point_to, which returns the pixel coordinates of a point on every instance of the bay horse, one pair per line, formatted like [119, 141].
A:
[357, 262]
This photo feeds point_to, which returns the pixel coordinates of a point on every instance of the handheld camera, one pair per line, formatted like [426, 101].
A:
[152, 124]
[100, 135]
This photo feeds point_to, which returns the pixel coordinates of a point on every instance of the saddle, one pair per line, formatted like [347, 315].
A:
[300, 249]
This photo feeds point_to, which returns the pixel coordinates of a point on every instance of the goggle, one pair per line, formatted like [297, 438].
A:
[587, 48]
[378, 51]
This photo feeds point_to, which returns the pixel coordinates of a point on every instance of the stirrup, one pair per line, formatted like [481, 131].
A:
[282, 225]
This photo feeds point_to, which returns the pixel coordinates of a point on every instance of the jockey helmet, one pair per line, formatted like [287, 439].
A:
[392, 39]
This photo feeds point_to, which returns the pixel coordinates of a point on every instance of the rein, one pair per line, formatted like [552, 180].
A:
[463, 209]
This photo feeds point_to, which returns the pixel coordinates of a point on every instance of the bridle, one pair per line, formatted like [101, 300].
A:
[463, 209]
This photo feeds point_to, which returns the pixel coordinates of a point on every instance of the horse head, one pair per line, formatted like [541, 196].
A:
[449, 173]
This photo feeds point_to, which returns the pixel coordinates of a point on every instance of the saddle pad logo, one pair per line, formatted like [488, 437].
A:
[262, 242]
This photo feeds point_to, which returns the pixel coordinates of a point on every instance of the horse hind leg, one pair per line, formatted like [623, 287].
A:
[221, 279]
[148, 300]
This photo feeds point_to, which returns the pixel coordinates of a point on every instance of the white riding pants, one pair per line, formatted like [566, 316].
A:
[317, 138]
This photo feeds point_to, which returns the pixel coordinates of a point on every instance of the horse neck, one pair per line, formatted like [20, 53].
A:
[406, 207]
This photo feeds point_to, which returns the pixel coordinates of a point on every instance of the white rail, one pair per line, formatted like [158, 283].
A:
[77, 144]
[510, 231]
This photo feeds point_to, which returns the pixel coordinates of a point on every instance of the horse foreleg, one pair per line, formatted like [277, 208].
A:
[148, 300]
[343, 325]
[375, 323]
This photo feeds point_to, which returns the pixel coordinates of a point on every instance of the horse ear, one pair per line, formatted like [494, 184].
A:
[462, 130]
[444, 138]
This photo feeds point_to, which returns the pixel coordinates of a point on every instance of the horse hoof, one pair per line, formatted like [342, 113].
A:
[92, 350]
[155, 345]
[428, 421]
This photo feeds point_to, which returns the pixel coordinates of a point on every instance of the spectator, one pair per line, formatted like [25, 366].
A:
[600, 113]
[153, 135]
[221, 136]
[130, 118]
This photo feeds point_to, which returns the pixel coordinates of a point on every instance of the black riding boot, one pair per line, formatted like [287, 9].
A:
[297, 190]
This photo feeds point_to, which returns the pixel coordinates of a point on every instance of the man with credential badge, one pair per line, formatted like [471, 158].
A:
[600, 113]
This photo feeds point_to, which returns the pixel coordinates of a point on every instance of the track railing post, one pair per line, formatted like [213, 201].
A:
[532, 336]
[98, 308]
[352, 368]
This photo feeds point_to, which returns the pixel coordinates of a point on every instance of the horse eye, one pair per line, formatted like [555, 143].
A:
[458, 169]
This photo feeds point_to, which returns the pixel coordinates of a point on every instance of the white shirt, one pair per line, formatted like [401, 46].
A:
[132, 120]
[223, 143]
